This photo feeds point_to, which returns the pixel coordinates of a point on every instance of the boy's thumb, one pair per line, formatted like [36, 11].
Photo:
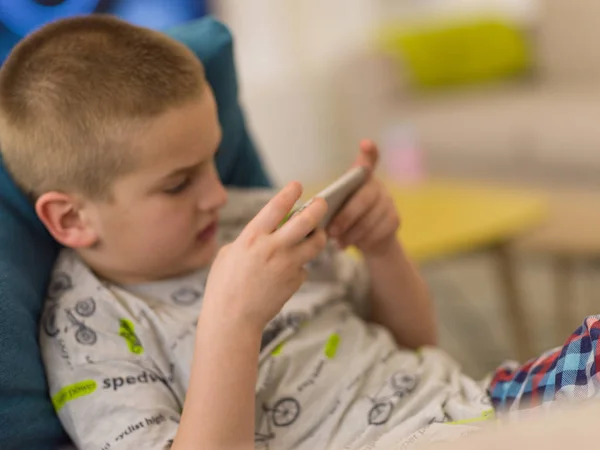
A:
[367, 156]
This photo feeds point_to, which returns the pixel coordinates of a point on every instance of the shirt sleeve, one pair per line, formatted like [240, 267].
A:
[115, 405]
[565, 374]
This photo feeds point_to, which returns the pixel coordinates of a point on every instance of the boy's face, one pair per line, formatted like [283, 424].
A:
[161, 221]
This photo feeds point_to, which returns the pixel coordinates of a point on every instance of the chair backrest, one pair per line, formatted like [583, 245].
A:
[27, 252]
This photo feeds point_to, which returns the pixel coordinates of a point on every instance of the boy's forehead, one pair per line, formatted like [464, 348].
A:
[181, 137]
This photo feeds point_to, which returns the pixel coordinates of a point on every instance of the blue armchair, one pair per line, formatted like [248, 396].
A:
[27, 252]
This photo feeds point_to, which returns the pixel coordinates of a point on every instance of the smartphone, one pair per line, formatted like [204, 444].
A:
[336, 194]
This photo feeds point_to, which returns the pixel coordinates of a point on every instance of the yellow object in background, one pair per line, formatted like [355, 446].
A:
[445, 52]
[443, 218]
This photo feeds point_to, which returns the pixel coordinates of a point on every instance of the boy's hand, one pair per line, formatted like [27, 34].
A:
[369, 221]
[252, 278]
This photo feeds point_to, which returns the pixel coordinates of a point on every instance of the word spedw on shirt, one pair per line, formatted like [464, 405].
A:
[117, 383]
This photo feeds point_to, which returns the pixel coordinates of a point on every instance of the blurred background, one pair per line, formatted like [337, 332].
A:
[498, 98]
[486, 113]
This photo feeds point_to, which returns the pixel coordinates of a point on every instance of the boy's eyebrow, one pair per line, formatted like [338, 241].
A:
[183, 170]
[191, 168]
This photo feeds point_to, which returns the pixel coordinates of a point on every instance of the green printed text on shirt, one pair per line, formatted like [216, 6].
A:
[488, 414]
[277, 350]
[71, 392]
[127, 332]
[332, 345]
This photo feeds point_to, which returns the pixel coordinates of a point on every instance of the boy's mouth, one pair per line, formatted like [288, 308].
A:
[207, 233]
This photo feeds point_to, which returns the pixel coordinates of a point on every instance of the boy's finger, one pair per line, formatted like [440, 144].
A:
[361, 202]
[301, 224]
[271, 215]
[309, 248]
[368, 155]
[366, 224]
[387, 223]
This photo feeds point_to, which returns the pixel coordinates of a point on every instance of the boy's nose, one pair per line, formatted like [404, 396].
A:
[213, 195]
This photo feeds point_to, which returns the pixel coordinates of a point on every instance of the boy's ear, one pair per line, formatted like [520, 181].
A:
[65, 219]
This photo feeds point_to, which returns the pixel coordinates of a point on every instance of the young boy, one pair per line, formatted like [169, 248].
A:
[111, 129]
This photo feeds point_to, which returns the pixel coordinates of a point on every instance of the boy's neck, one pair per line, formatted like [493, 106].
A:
[129, 278]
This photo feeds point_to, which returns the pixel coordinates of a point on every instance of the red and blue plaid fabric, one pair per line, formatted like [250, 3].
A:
[570, 372]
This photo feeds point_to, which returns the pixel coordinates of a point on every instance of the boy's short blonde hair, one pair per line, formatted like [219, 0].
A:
[74, 94]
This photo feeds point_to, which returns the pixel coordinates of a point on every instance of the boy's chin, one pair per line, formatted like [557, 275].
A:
[204, 254]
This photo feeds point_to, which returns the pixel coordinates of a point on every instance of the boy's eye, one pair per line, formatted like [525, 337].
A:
[179, 187]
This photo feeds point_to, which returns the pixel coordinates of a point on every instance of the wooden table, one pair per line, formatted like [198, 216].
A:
[570, 236]
[442, 218]
[446, 218]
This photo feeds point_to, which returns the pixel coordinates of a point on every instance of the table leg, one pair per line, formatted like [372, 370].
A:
[564, 297]
[513, 301]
